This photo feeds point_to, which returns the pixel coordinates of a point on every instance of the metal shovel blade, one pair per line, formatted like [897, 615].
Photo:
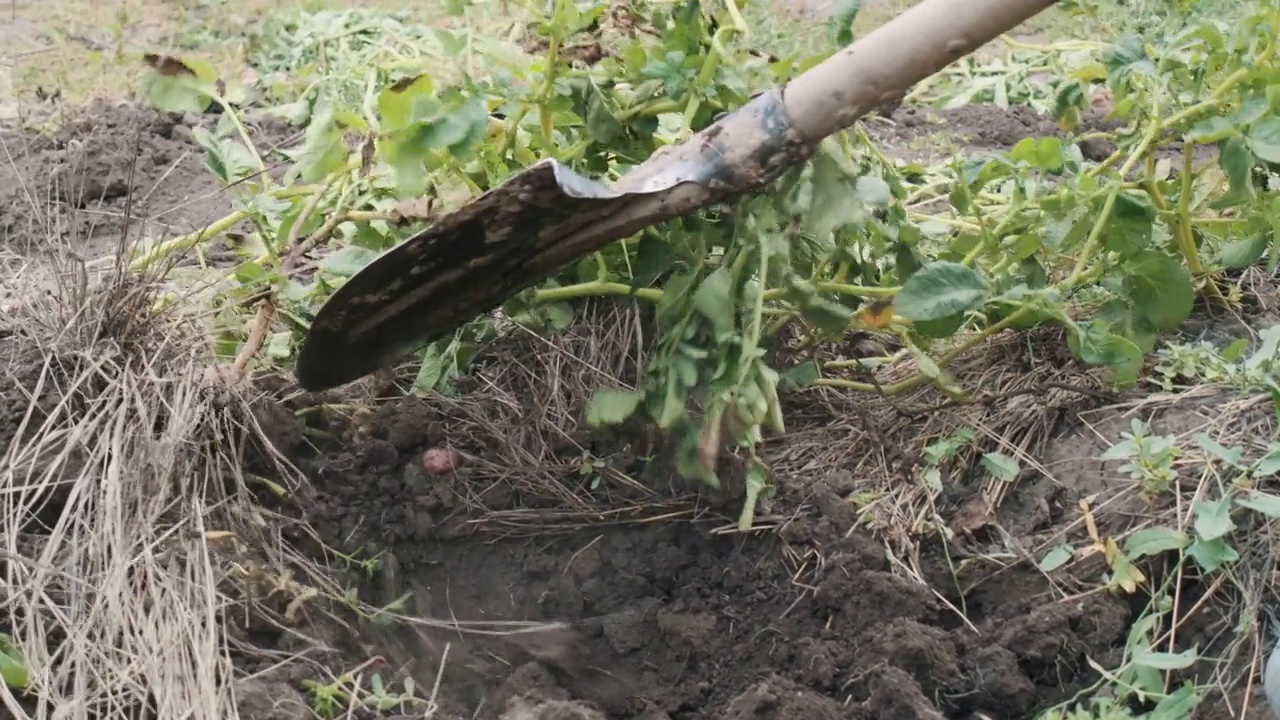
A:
[465, 264]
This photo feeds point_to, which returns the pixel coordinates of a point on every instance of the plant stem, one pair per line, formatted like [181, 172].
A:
[1180, 222]
[596, 288]
[549, 83]
[190, 240]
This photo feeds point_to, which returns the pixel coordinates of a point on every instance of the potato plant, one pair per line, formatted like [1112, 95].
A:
[1116, 251]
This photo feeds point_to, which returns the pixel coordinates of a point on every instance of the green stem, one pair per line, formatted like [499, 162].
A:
[1180, 221]
[595, 288]
[190, 240]
[549, 82]
[1091, 243]
[735, 17]
[840, 289]
[710, 64]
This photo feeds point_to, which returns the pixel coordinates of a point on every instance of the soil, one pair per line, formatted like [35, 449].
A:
[114, 172]
[660, 619]
[672, 620]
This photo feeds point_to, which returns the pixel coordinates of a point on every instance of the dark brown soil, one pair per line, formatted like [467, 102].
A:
[670, 620]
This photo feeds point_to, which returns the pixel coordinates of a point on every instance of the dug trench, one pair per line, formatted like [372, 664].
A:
[674, 619]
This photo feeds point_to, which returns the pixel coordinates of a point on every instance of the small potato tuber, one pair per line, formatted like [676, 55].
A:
[438, 461]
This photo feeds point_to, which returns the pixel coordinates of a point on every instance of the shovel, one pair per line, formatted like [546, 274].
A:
[513, 236]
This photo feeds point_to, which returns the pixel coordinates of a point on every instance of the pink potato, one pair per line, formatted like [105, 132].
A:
[438, 461]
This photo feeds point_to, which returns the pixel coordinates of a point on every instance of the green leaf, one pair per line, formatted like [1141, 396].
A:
[1122, 320]
[1129, 227]
[842, 18]
[654, 256]
[941, 289]
[1213, 518]
[179, 85]
[1235, 350]
[610, 407]
[1264, 139]
[13, 667]
[941, 328]
[1153, 541]
[1212, 555]
[1166, 660]
[280, 345]
[1211, 130]
[1260, 502]
[827, 315]
[1232, 456]
[406, 102]
[602, 124]
[1160, 288]
[799, 377]
[1126, 57]
[347, 261]
[1056, 558]
[15, 674]
[872, 190]
[1043, 154]
[1178, 705]
[714, 300]
[1067, 103]
[831, 206]
[1096, 345]
[1245, 252]
[323, 152]
[1236, 161]
[1001, 466]
[1253, 109]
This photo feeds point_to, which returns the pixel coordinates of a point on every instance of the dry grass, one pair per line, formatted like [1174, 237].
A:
[118, 490]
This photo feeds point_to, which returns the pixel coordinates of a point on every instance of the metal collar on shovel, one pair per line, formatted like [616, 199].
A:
[515, 235]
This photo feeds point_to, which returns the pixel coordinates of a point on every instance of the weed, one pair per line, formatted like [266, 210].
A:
[1150, 458]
